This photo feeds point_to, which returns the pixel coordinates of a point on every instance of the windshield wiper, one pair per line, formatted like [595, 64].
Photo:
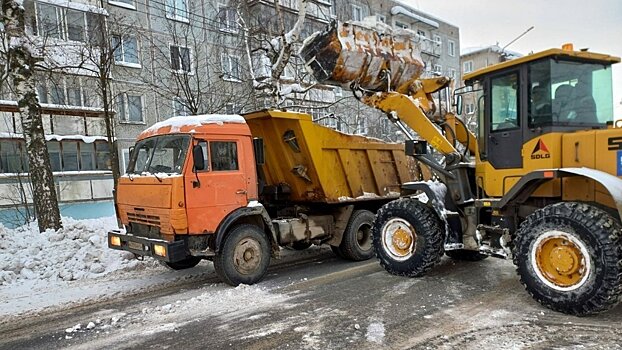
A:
[156, 176]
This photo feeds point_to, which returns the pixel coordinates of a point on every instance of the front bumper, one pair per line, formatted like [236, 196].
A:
[169, 251]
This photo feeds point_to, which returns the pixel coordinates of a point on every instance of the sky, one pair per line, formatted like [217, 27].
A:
[595, 24]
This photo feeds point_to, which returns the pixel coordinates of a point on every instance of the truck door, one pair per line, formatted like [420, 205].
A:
[220, 188]
[505, 139]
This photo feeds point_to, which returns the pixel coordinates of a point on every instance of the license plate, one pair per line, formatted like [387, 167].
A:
[135, 245]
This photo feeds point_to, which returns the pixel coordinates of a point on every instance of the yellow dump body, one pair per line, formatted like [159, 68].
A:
[352, 51]
[323, 165]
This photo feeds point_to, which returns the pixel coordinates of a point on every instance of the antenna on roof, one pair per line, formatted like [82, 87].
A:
[518, 37]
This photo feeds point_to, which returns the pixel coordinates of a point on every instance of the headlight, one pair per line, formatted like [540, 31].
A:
[115, 241]
[159, 250]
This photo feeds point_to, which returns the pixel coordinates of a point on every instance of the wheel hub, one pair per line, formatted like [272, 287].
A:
[247, 256]
[363, 237]
[399, 238]
[561, 260]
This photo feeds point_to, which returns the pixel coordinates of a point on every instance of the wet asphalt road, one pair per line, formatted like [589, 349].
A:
[317, 301]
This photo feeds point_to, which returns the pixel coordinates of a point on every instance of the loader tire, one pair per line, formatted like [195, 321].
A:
[465, 255]
[356, 244]
[408, 237]
[187, 263]
[569, 258]
[244, 256]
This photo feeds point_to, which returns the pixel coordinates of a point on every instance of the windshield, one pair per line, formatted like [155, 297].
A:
[568, 93]
[160, 154]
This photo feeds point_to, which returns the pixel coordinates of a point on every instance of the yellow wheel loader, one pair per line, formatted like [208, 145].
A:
[538, 182]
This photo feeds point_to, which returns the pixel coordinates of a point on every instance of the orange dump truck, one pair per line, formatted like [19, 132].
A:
[234, 189]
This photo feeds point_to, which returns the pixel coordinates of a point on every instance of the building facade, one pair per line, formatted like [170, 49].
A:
[149, 60]
[472, 59]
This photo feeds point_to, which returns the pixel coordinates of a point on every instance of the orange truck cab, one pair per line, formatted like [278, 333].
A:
[192, 191]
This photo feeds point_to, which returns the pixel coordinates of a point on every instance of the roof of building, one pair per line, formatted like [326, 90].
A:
[493, 48]
[409, 7]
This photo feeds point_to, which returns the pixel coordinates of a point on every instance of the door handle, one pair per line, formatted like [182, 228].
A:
[240, 192]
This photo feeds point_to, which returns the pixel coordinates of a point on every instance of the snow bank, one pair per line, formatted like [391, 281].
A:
[78, 251]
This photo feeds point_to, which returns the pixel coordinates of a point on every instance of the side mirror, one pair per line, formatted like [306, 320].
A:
[458, 104]
[198, 158]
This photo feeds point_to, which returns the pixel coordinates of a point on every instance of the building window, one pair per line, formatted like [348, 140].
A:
[451, 48]
[438, 40]
[13, 157]
[452, 74]
[421, 33]
[69, 90]
[130, 108]
[227, 19]
[177, 10]
[76, 25]
[438, 69]
[467, 66]
[180, 59]
[332, 10]
[125, 49]
[67, 24]
[401, 25]
[381, 18]
[230, 67]
[469, 108]
[230, 108]
[74, 91]
[55, 155]
[357, 13]
[50, 21]
[180, 108]
[66, 155]
[361, 126]
[57, 94]
[123, 3]
[102, 153]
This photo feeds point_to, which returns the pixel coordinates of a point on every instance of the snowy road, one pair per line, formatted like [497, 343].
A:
[317, 301]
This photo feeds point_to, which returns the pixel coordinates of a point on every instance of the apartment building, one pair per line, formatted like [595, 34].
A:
[177, 57]
[472, 59]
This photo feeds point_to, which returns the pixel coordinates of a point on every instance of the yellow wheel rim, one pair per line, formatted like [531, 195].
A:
[561, 260]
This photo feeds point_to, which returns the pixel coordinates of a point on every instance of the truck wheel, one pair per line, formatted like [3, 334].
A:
[408, 237]
[466, 255]
[244, 256]
[187, 263]
[356, 243]
[569, 258]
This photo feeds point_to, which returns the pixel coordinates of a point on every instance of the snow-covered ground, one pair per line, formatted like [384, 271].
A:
[50, 270]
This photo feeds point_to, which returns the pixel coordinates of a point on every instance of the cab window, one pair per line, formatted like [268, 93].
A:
[224, 155]
[505, 102]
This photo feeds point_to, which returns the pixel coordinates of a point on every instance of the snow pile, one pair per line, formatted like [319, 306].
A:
[78, 251]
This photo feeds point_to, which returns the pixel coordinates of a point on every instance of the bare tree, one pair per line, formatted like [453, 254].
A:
[21, 59]
[197, 66]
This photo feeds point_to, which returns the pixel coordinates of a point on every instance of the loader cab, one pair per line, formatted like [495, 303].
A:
[548, 92]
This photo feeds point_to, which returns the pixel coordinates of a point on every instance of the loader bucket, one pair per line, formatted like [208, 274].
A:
[377, 58]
